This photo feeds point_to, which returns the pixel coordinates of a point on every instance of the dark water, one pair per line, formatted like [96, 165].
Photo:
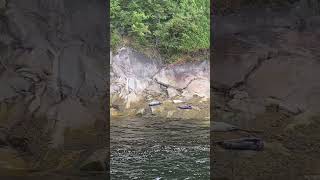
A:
[153, 148]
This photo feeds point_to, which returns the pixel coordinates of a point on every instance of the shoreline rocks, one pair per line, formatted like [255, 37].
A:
[137, 82]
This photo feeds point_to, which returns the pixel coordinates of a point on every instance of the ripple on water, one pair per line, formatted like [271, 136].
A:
[149, 148]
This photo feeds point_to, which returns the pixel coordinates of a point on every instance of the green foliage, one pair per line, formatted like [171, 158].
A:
[171, 26]
[115, 40]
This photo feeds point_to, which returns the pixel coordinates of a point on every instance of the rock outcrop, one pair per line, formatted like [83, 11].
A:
[53, 81]
[137, 80]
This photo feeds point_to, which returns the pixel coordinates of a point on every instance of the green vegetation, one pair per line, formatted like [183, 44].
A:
[172, 27]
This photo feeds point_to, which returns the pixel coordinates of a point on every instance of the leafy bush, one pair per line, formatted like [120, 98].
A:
[171, 26]
[115, 40]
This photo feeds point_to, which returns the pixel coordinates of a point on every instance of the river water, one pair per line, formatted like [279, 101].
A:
[155, 148]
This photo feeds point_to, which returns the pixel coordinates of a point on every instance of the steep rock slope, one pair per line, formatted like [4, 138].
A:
[137, 80]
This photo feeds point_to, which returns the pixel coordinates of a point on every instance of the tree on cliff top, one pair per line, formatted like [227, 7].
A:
[171, 26]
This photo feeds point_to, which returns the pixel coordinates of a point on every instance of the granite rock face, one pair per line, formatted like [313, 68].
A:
[53, 78]
[137, 80]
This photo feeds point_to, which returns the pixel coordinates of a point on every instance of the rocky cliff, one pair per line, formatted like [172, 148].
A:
[53, 83]
[137, 80]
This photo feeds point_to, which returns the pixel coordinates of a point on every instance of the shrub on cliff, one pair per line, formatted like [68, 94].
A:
[171, 26]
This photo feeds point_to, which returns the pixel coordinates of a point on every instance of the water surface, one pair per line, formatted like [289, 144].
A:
[155, 148]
